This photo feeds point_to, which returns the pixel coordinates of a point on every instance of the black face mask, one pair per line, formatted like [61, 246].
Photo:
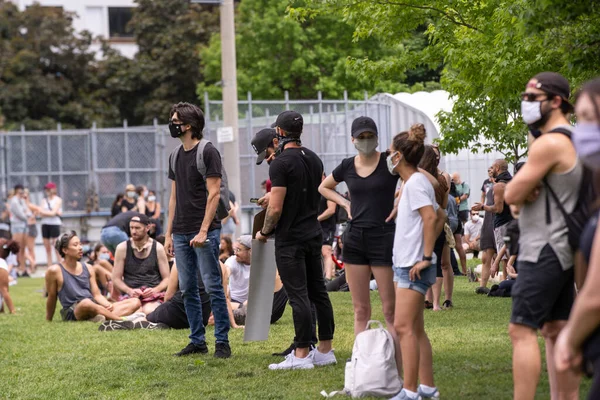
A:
[175, 130]
[283, 140]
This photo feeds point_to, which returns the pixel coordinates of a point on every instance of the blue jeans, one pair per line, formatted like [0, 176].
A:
[111, 237]
[206, 259]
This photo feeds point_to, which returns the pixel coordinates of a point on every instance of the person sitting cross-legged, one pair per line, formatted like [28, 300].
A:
[141, 267]
[76, 289]
[238, 271]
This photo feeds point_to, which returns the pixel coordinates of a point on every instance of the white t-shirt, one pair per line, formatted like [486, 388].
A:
[239, 279]
[473, 229]
[408, 241]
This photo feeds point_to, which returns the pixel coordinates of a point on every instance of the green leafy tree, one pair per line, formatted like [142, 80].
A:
[489, 50]
[276, 54]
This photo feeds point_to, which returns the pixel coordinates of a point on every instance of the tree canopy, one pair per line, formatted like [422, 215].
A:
[489, 50]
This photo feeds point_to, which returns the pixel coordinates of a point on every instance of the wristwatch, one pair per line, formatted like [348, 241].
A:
[430, 258]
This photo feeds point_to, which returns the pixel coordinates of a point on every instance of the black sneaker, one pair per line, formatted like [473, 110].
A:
[482, 290]
[193, 349]
[143, 324]
[447, 304]
[115, 326]
[428, 305]
[286, 351]
[222, 350]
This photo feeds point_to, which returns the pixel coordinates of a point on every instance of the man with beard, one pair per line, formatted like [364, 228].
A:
[76, 288]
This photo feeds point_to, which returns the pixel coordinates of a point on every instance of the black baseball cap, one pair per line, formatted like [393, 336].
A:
[290, 121]
[363, 124]
[141, 218]
[261, 142]
[553, 83]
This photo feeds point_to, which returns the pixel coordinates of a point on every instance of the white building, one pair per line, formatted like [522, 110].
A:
[106, 18]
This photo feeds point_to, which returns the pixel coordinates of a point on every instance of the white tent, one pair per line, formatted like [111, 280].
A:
[410, 108]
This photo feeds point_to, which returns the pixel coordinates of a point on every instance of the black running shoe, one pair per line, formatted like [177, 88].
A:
[222, 350]
[447, 304]
[115, 326]
[482, 290]
[193, 349]
[143, 324]
[286, 351]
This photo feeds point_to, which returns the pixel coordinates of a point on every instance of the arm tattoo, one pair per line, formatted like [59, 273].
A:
[271, 220]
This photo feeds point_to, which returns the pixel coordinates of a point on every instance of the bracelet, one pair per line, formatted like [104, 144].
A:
[265, 234]
[430, 258]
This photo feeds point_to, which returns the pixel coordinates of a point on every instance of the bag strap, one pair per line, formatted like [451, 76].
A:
[564, 131]
[557, 201]
[200, 157]
[373, 321]
[173, 158]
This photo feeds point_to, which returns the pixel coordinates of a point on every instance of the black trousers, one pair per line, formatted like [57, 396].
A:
[300, 267]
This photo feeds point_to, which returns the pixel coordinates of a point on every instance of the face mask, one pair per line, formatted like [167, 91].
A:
[531, 111]
[175, 130]
[151, 198]
[475, 218]
[390, 164]
[283, 140]
[85, 248]
[104, 256]
[586, 139]
[131, 194]
[366, 146]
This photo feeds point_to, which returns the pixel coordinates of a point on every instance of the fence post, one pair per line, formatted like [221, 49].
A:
[207, 109]
[346, 121]
[312, 136]
[253, 164]
[126, 146]
[287, 100]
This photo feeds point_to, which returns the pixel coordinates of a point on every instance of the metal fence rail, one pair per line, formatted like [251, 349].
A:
[101, 162]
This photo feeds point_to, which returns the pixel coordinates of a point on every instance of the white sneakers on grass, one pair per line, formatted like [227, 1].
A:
[314, 358]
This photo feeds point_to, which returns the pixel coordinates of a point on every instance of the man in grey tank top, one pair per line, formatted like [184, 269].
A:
[74, 284]
[141, 266]
[544, 291]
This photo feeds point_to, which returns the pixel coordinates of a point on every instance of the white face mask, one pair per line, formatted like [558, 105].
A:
[151, 198]
[366, 146]
[475, 218]
[104, 256]
[131, 194]
[531, 111]
[390, 163]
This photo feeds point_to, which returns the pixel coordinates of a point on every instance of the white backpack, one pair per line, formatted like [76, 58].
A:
[372, 370]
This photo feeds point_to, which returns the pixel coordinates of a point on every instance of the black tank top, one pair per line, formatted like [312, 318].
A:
[505, 216]
[141, 271]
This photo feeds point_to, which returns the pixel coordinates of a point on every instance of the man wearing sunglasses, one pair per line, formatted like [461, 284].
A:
[544, 292]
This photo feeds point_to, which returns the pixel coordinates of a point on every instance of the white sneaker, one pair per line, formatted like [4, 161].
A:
[134, 316]
[320, 359]
[293, 362]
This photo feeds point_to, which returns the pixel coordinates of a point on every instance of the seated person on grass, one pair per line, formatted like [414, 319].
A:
[141, 267]
[472, 234]
[237, 268]
[77, 290]
[6, 248]
[100, 260]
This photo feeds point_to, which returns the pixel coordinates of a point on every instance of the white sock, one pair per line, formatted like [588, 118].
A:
[412, 395]
[428, 390]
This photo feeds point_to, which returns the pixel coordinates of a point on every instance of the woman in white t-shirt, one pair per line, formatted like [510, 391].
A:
[6, 247]
[51, 212]
[414, 261]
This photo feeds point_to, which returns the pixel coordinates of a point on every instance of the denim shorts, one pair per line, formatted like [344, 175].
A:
[402, 279]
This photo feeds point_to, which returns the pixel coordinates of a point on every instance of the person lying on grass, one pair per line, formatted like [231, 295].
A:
[77, 290]
[6, 247]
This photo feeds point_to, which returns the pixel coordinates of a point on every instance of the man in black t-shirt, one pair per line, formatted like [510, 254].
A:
[196, 231]
[296, 173]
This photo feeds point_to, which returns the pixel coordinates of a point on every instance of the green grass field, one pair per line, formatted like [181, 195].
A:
[40, 360]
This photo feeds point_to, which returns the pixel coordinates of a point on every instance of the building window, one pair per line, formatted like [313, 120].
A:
[118, 20]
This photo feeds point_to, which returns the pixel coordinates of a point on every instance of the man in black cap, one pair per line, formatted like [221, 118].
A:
[262, 143]
[292, 216]
[544, 293]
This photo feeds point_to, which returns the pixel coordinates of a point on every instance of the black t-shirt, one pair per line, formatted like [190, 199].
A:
[486, 185]
[300, 171]
[372, 198]
[191, 190]
[126, 203]
[327, 225]
[505, 216]
[121, 221]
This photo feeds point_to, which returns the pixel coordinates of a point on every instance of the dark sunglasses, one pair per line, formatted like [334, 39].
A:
[533, 96]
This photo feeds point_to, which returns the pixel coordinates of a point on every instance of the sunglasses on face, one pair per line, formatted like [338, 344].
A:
[533, 96]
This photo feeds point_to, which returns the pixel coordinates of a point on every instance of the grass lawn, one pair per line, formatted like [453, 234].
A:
[40, 360]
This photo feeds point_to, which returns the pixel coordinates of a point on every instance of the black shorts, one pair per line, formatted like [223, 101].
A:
[172, 312]
[438, 249]
[369, 246]
[464, 215]
[328, 236]
[68, 314]
[542, 292]
[460, 230]
[50, 231]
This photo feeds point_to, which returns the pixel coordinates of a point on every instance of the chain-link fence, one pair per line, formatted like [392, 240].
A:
[91, 166]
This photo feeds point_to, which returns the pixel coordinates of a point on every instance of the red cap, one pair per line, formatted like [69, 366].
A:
[50, 185]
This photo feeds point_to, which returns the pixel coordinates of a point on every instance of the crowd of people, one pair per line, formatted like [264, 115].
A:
[408, 241]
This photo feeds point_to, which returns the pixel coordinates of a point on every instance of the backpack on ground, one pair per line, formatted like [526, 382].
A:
[372, 369]
[223, 208]
[578, 218]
